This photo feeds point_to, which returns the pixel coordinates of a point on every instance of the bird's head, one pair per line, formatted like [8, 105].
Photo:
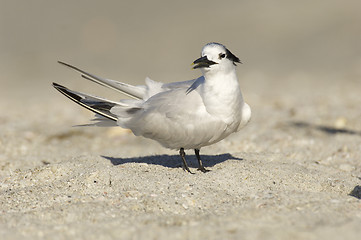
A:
[216, 57]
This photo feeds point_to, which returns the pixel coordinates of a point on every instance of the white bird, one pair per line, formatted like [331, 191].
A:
[180, 115]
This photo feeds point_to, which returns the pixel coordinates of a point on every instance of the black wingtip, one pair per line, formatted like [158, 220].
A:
[67, 92]
[79, 99]
[59, 87]
[56, 85]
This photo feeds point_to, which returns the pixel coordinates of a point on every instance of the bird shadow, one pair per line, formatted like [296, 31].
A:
[325, 129]
[356, 192]
[174, 161]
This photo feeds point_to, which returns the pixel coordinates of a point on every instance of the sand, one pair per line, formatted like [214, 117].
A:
[293, 173]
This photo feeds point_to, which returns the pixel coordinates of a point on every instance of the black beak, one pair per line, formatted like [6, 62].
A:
[202, 62]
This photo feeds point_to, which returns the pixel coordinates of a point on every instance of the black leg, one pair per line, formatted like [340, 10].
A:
[185, 165]
[200, 168]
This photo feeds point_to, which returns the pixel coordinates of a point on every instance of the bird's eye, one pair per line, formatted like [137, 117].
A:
[222, 55]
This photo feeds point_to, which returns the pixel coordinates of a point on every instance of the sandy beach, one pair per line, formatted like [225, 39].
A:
[293, 173]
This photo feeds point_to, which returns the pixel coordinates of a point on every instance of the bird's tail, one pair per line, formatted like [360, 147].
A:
[136, 92]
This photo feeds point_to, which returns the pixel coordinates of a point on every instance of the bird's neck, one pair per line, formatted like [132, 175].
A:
[222, 95]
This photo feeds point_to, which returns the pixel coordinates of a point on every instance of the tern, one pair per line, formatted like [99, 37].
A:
[181, 115]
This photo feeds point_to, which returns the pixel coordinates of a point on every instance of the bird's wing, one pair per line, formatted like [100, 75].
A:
[95, 104]
[185, 84]
[137, 92]
[173, 118]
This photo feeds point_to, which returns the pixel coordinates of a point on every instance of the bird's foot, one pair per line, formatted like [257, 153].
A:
[203, 170]
[186, 168]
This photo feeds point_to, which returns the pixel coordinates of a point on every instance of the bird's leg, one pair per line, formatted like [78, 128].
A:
[200, 168]
[185, 165]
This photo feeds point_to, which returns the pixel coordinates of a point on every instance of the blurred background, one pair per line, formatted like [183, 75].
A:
[301, 75]
[285, 46]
